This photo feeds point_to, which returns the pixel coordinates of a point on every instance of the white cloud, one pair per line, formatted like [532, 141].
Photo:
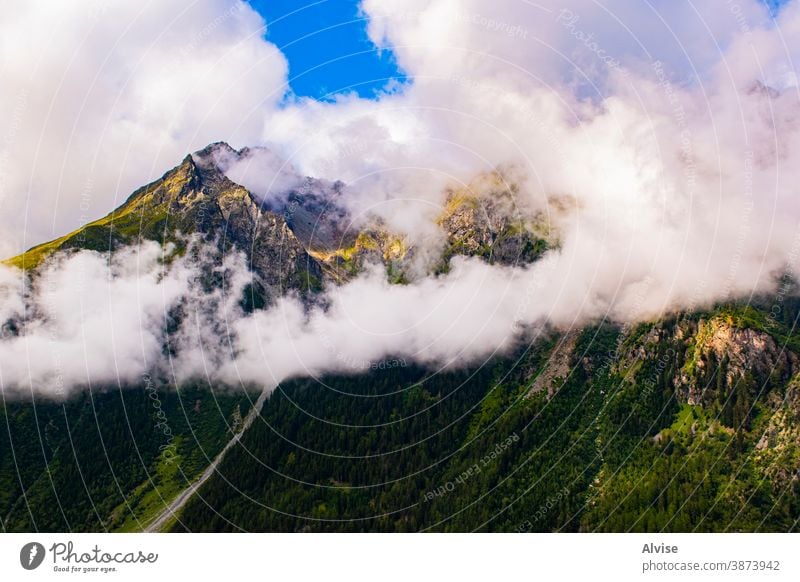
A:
[258, 169]
[79, 328]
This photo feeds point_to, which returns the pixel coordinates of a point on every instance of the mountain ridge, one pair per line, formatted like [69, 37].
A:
[319, 239]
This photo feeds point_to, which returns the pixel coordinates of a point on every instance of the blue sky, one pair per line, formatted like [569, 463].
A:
[326, 44]
[775, 4]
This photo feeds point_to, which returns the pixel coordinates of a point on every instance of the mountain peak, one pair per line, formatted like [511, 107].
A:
[214, 156]
[193, 197]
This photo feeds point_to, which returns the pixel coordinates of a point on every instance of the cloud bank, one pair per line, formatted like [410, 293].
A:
[87, 322]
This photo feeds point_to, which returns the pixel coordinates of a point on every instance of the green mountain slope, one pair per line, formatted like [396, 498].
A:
[616, 441]
[107, 461]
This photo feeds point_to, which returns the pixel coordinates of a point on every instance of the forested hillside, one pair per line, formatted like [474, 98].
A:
[642, 429]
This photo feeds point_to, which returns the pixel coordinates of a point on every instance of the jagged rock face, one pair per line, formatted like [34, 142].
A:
[708, 357]
[718, 346]
[745, 349]
[224, 209]
[485, 221]
[317, 217]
